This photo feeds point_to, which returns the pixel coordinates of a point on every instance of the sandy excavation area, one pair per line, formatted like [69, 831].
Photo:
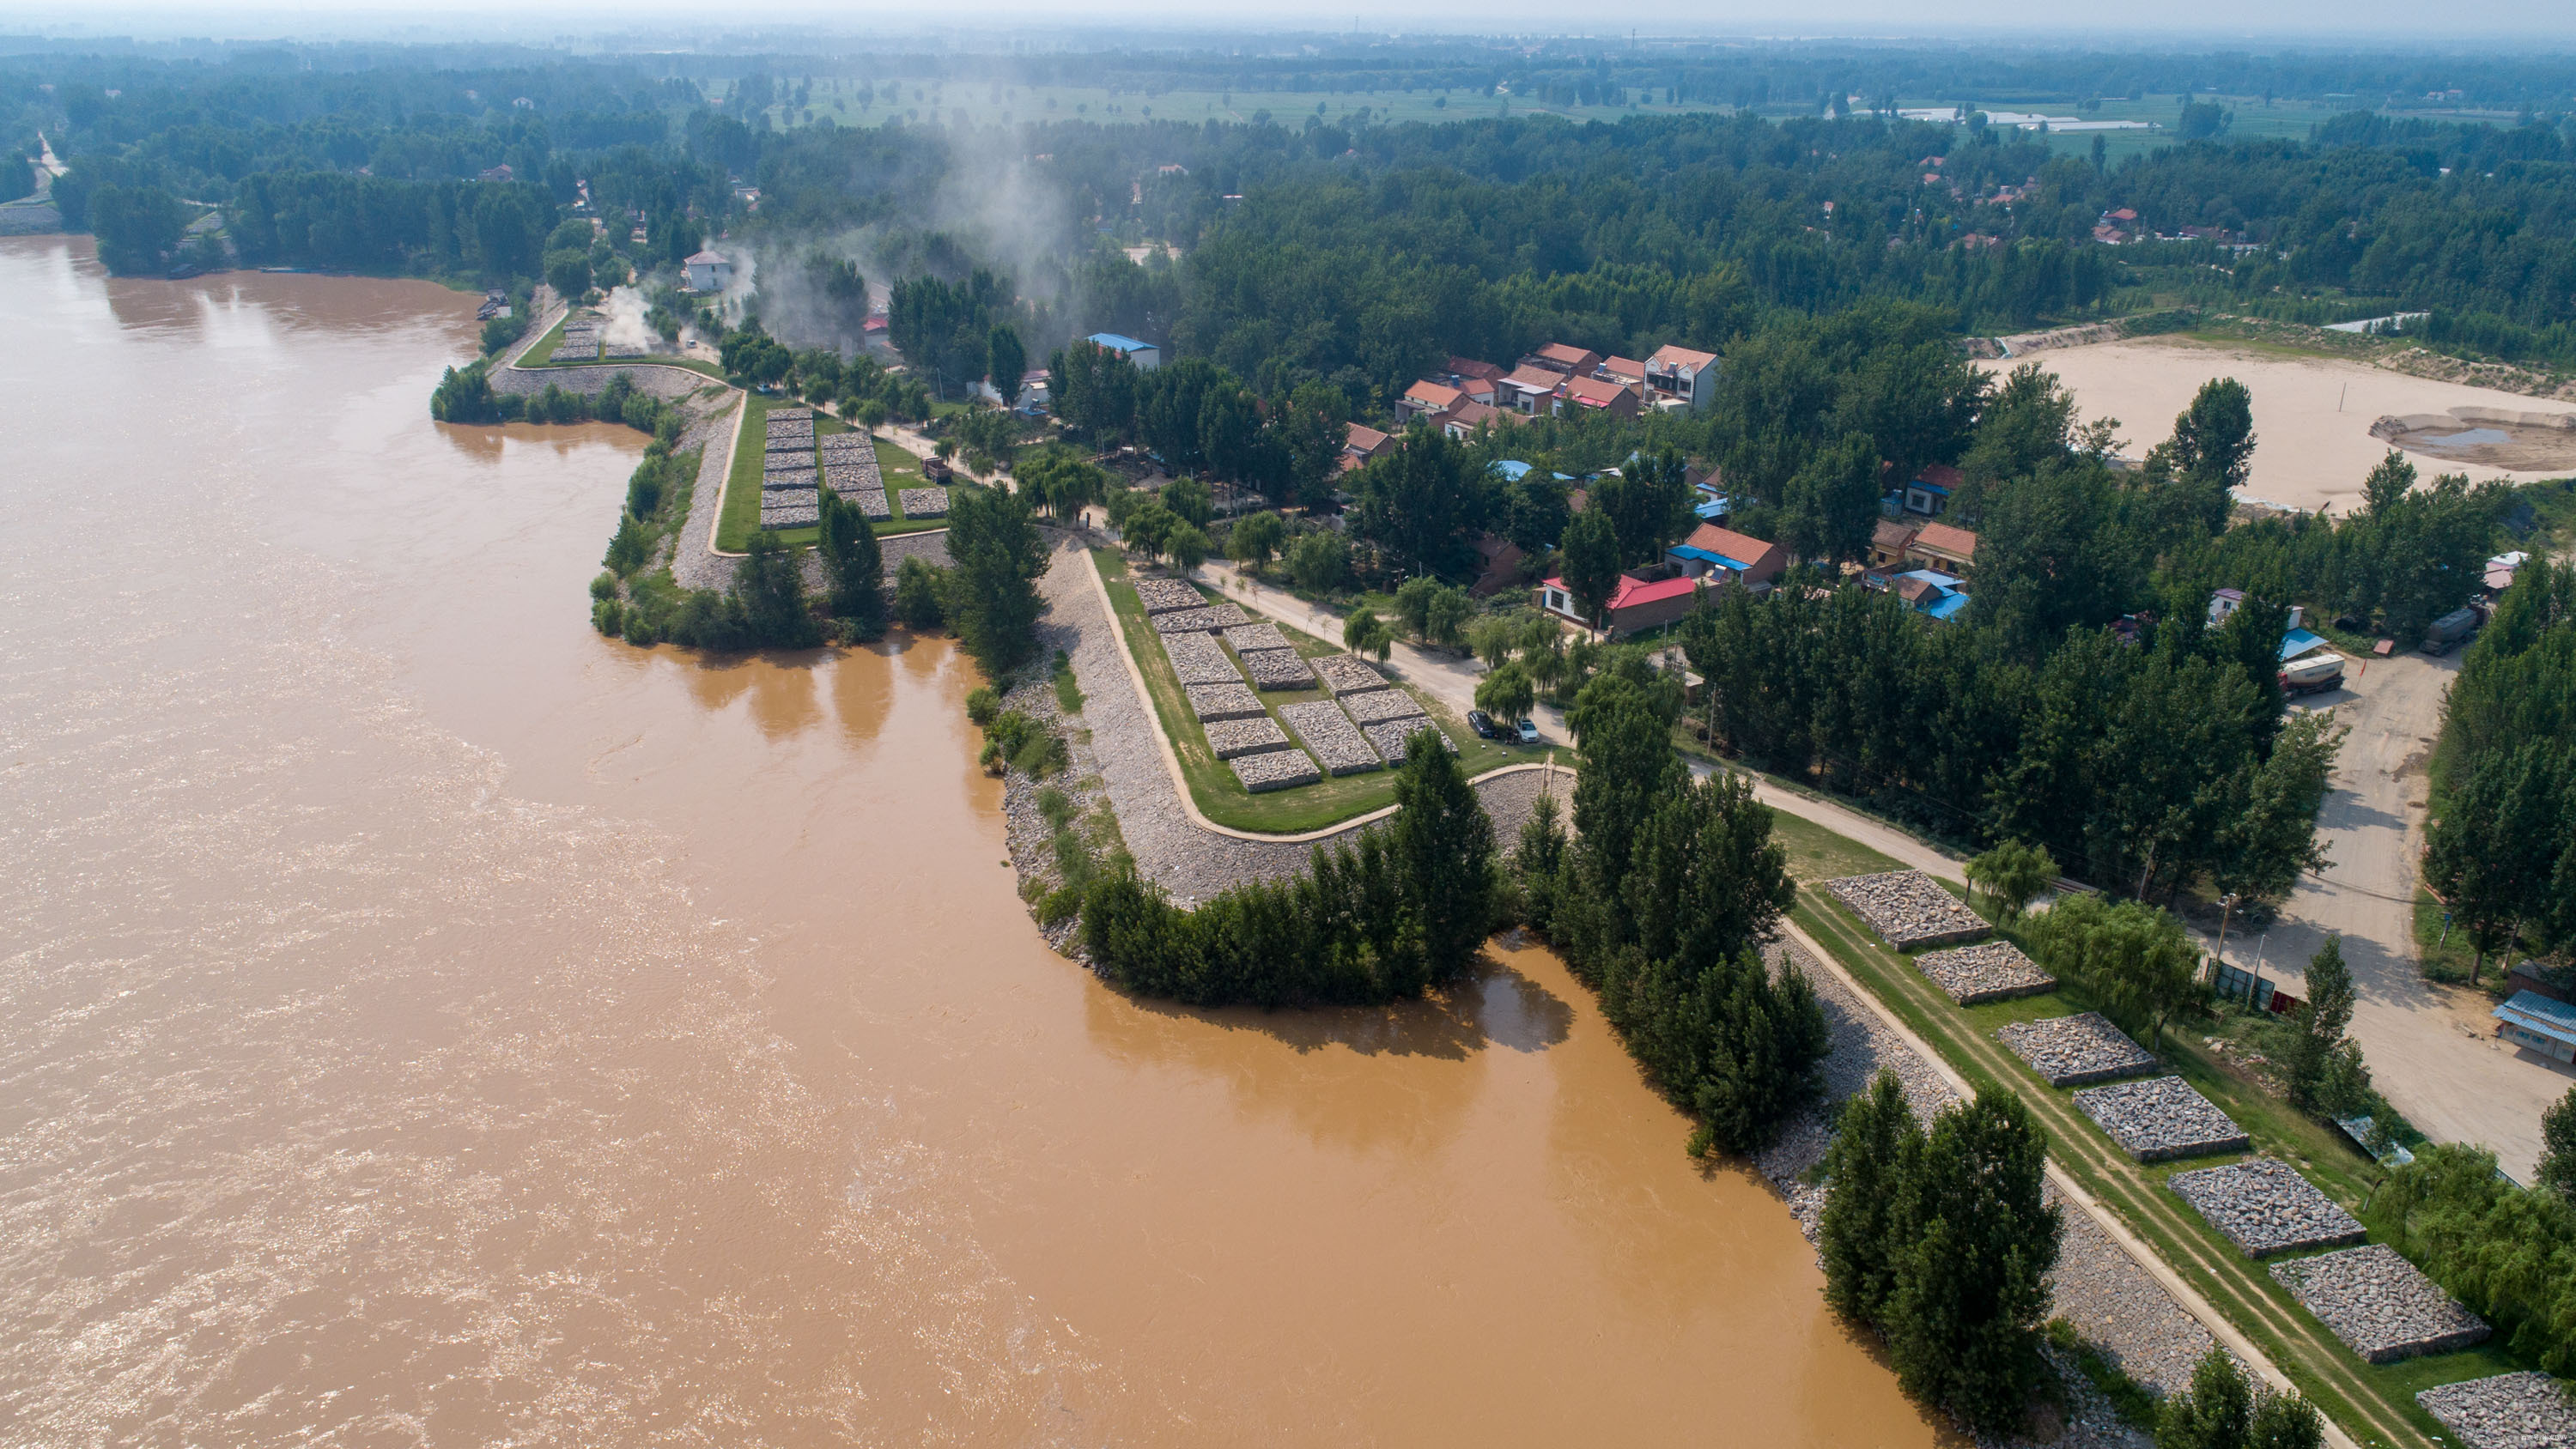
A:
[2312, 415]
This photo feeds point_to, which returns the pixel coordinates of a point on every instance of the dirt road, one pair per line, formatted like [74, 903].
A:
[2431, 1049]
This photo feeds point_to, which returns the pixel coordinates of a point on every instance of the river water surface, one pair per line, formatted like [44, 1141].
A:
[425, 1022]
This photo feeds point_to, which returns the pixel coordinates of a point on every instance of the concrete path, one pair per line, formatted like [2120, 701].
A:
[2431, 1049]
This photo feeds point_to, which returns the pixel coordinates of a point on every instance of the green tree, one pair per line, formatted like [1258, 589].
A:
[1311, 428]
[2321, 1023]
[1413, 599]
[2484, 854]
[1254, 539]
[1186, 547]
[2213, 439]
[772, 596]
[1969, 1289]
[2558, 1147]
[998, 557]
[568, 272]
[1590, 564]
[920, 593]
[853, 566]
[1507, 693]
[2012, 875]
[1190, 500]
[1319, 562]
[1007, 360]
[1829, 509]
[137, 227]
[1443, 846]
[2138, 960]
[2223, 1410]
[1417, 501]
[1628, 767]
[1868, 1168]
[1647, 503]
[1365, 633]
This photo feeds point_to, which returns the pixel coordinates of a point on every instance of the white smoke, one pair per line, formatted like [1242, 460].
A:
[625, 329]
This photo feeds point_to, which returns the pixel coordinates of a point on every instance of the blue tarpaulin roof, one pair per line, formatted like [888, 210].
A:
[2534, 1012]
[1947, 605]
[1122, 343]
[1683, 550]
[1512, 470]
[2298, 642]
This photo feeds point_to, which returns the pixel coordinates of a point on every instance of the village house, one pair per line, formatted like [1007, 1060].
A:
[1528, 389]
[1470, 415]
[1427, 399]
[1943, 547]
[1930, 491]
[1722, 555]
[1888, 542]
[1564, 359]
[1679, 377]
[1636, 604]
[1145, 355]
[1498, 565]
[1595, 395]
[708, 272]
[1359, 444]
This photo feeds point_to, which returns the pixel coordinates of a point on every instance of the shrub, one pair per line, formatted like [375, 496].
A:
[982, 704]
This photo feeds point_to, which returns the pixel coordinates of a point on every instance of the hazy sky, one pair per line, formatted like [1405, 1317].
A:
[685, 23]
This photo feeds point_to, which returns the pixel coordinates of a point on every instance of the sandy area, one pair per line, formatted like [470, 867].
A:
[2312, 415]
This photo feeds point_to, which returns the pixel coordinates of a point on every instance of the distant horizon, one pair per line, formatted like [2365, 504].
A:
[2363, 27]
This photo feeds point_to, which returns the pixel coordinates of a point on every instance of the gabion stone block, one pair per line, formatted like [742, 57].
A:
[2263, 1206]
[789, 510]
[848, 478]
[787, 460]
[1274, 770]
[1202, 620]
[2072, 1051]
[792, 415]
[1212, 702]
[801, 479]
[1247, 637]
[2380, 1305]
[873, 506]
[789, 443]
[2161, 1118]
[1909, 908]
[1987, 971]
[1348, 674]
[1378, 706]
[1322, 728]
[1162, 596]
[1233, 737]
[1278, 669]
[924, 502]
[852, 446]
[1196, 659]
[1388, 738]
[2509, 1411]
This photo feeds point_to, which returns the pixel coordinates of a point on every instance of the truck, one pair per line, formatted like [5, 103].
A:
[2310, 673]
[2447, 632]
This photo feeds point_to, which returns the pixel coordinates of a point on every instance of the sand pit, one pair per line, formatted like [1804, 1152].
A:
[2479, 437]
[2312, 415]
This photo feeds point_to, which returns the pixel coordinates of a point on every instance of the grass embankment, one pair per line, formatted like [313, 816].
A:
[2375, 1404]
[543, 355]
[741, 516]
[1214, 789]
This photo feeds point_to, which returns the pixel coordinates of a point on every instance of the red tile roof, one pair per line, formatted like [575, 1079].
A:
[1941, 475]
[1536, 379]
[1761, 560]
[1593, 392]
[1566, 354]
[1365, 440]
[1681, 357]
[1632, 592]
[1942, 538]
[1470, 367]
[1627, 369]
[1434, 396]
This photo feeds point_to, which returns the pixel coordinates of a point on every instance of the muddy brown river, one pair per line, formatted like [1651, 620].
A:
[423, 1022]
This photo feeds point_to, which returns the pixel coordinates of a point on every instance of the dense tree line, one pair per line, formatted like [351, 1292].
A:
[2507, 1252]
[2502, 852]
[1405, 906]
[1662, 903]
[1941, 1241]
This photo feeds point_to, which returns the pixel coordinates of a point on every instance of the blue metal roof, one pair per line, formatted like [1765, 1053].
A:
[1512, 470]
[2534, 1012]
[1683, 550]
[1947, 605]
[2298, 642]
[1123, 344]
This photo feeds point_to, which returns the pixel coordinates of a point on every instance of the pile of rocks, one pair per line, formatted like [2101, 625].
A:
[1378, 706]
[845, 480]
[2161, 1118]
[924, 502]
[1196, 659]
[1232, 737]
[2070, 1051]
[580, 340]
[2264, 1206]
[1212, 702]
[1274, 770]
[1323, 728]
[801, 508]
[2380, 1305]
[854, 450]
[1909, 908]
[873, 505]
[1247, 637]
[1277, 669]
[1161, 596]
[1205, 619]
[1348, 674]
[2509, 1411]
[1988, 971]
[1388, 738]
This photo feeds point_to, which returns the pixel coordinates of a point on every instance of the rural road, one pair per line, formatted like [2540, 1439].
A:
[2431, 1049]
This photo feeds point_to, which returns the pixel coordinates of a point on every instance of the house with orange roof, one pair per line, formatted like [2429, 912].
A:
[1564, 359]
[1359, 444]
[1598, 396]
[1529, 390]
[1721, 555]
[1942, 546]
[1427, 399]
